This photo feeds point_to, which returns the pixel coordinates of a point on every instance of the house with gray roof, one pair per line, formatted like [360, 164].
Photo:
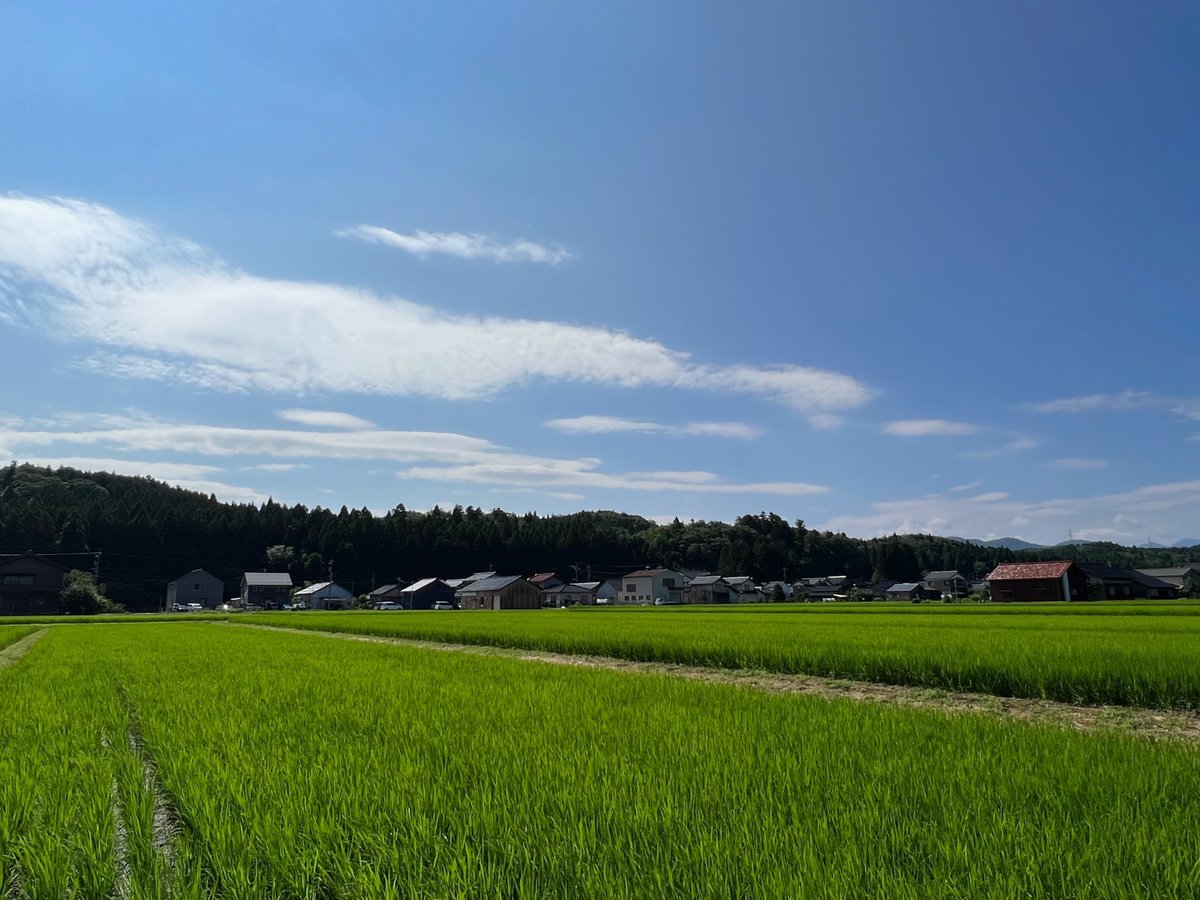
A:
[707, 589]
[1186, 578]
[197, 586]
[266, 590]
[499, 592]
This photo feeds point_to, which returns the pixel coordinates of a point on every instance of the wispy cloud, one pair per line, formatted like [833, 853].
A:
[1160, 509]
[1125, 400]
[617, 425]
[970, 486]
[83, 272]
[431, 456]
[323, 418]
[1078, 463]
[455, 243]
[930, 428]
[1015, 443]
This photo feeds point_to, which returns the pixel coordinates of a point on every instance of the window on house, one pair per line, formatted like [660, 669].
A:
[18, 579]
[630, 588]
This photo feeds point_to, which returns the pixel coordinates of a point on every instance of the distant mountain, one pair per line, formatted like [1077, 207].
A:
[1004, 543]
[1186, 542]
[1152, 545]
[1074, 542]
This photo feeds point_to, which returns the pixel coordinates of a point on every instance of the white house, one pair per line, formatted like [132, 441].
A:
[647, 585]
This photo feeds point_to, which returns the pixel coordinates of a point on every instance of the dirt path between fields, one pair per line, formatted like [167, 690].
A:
[16, 650]
[1156, 724]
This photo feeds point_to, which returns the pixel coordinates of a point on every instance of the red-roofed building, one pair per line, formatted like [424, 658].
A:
[1032, 582]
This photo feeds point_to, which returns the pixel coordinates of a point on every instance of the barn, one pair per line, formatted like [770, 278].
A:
[1061, 580]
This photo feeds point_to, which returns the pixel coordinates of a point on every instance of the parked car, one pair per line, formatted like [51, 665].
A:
[666, 601]
[388, 604]
[443, 604]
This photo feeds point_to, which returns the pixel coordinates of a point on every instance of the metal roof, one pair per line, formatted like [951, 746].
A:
[380, 591]
[705, 580]
[417, 586]
[328, 587]
[904, 587]
[268, 578]
[498, 583]
[650, 573]
[944, 575]
[1023, 571]
[1172, 571]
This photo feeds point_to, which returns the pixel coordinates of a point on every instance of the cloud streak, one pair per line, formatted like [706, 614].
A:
[617, 425]
[455, 243]
[930, 428]
[429, 456]
[83, 272]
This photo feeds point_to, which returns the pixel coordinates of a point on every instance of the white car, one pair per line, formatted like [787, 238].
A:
[389, 604]
[443, 604]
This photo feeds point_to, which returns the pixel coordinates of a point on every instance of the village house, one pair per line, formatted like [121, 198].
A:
[1061, 580]
[947, 582]
[197, 586]
[266, 590]
[707, 589]
[323, 595]
[30, 585]
[743, 590]
[1185, 578]
[547, 581]
[499, 592]
[645, 586]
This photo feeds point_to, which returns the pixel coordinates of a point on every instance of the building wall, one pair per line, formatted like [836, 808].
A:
[1032, 590]
[196, 587]
[30, 585]
[427, 596]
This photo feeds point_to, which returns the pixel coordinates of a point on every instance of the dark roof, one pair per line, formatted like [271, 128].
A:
[1172, 571]
[649, 573]
[705, 580]
[497, 583]
[1023, 571]
[543, 576]
[385, 589]
[946, 575]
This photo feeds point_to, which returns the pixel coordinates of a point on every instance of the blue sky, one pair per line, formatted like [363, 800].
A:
[883, 267]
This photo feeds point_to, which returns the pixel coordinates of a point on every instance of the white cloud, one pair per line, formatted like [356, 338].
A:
[970, 486]
[1078, 463]
[1015, 444]
[82, 272]
[455, 243]
[826, 421]
[1125, 400]
[275, 467]
[321, 418]
[433, 456]
[930, 427]
[617, 425]
[990, 497]
[1161, 509]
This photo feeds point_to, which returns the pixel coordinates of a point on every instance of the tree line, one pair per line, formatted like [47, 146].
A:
[139, 534]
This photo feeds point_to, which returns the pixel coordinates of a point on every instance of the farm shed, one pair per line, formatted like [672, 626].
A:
[1061, 580]
[948, 582]
[426, 592]
[30, 584]
[197, 586]
[500, 592]
[324, 595]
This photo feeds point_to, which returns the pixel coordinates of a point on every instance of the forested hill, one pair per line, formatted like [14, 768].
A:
[149, 533]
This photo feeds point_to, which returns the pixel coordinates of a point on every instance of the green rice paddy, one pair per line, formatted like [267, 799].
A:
[1142, 655]
[210, 760]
